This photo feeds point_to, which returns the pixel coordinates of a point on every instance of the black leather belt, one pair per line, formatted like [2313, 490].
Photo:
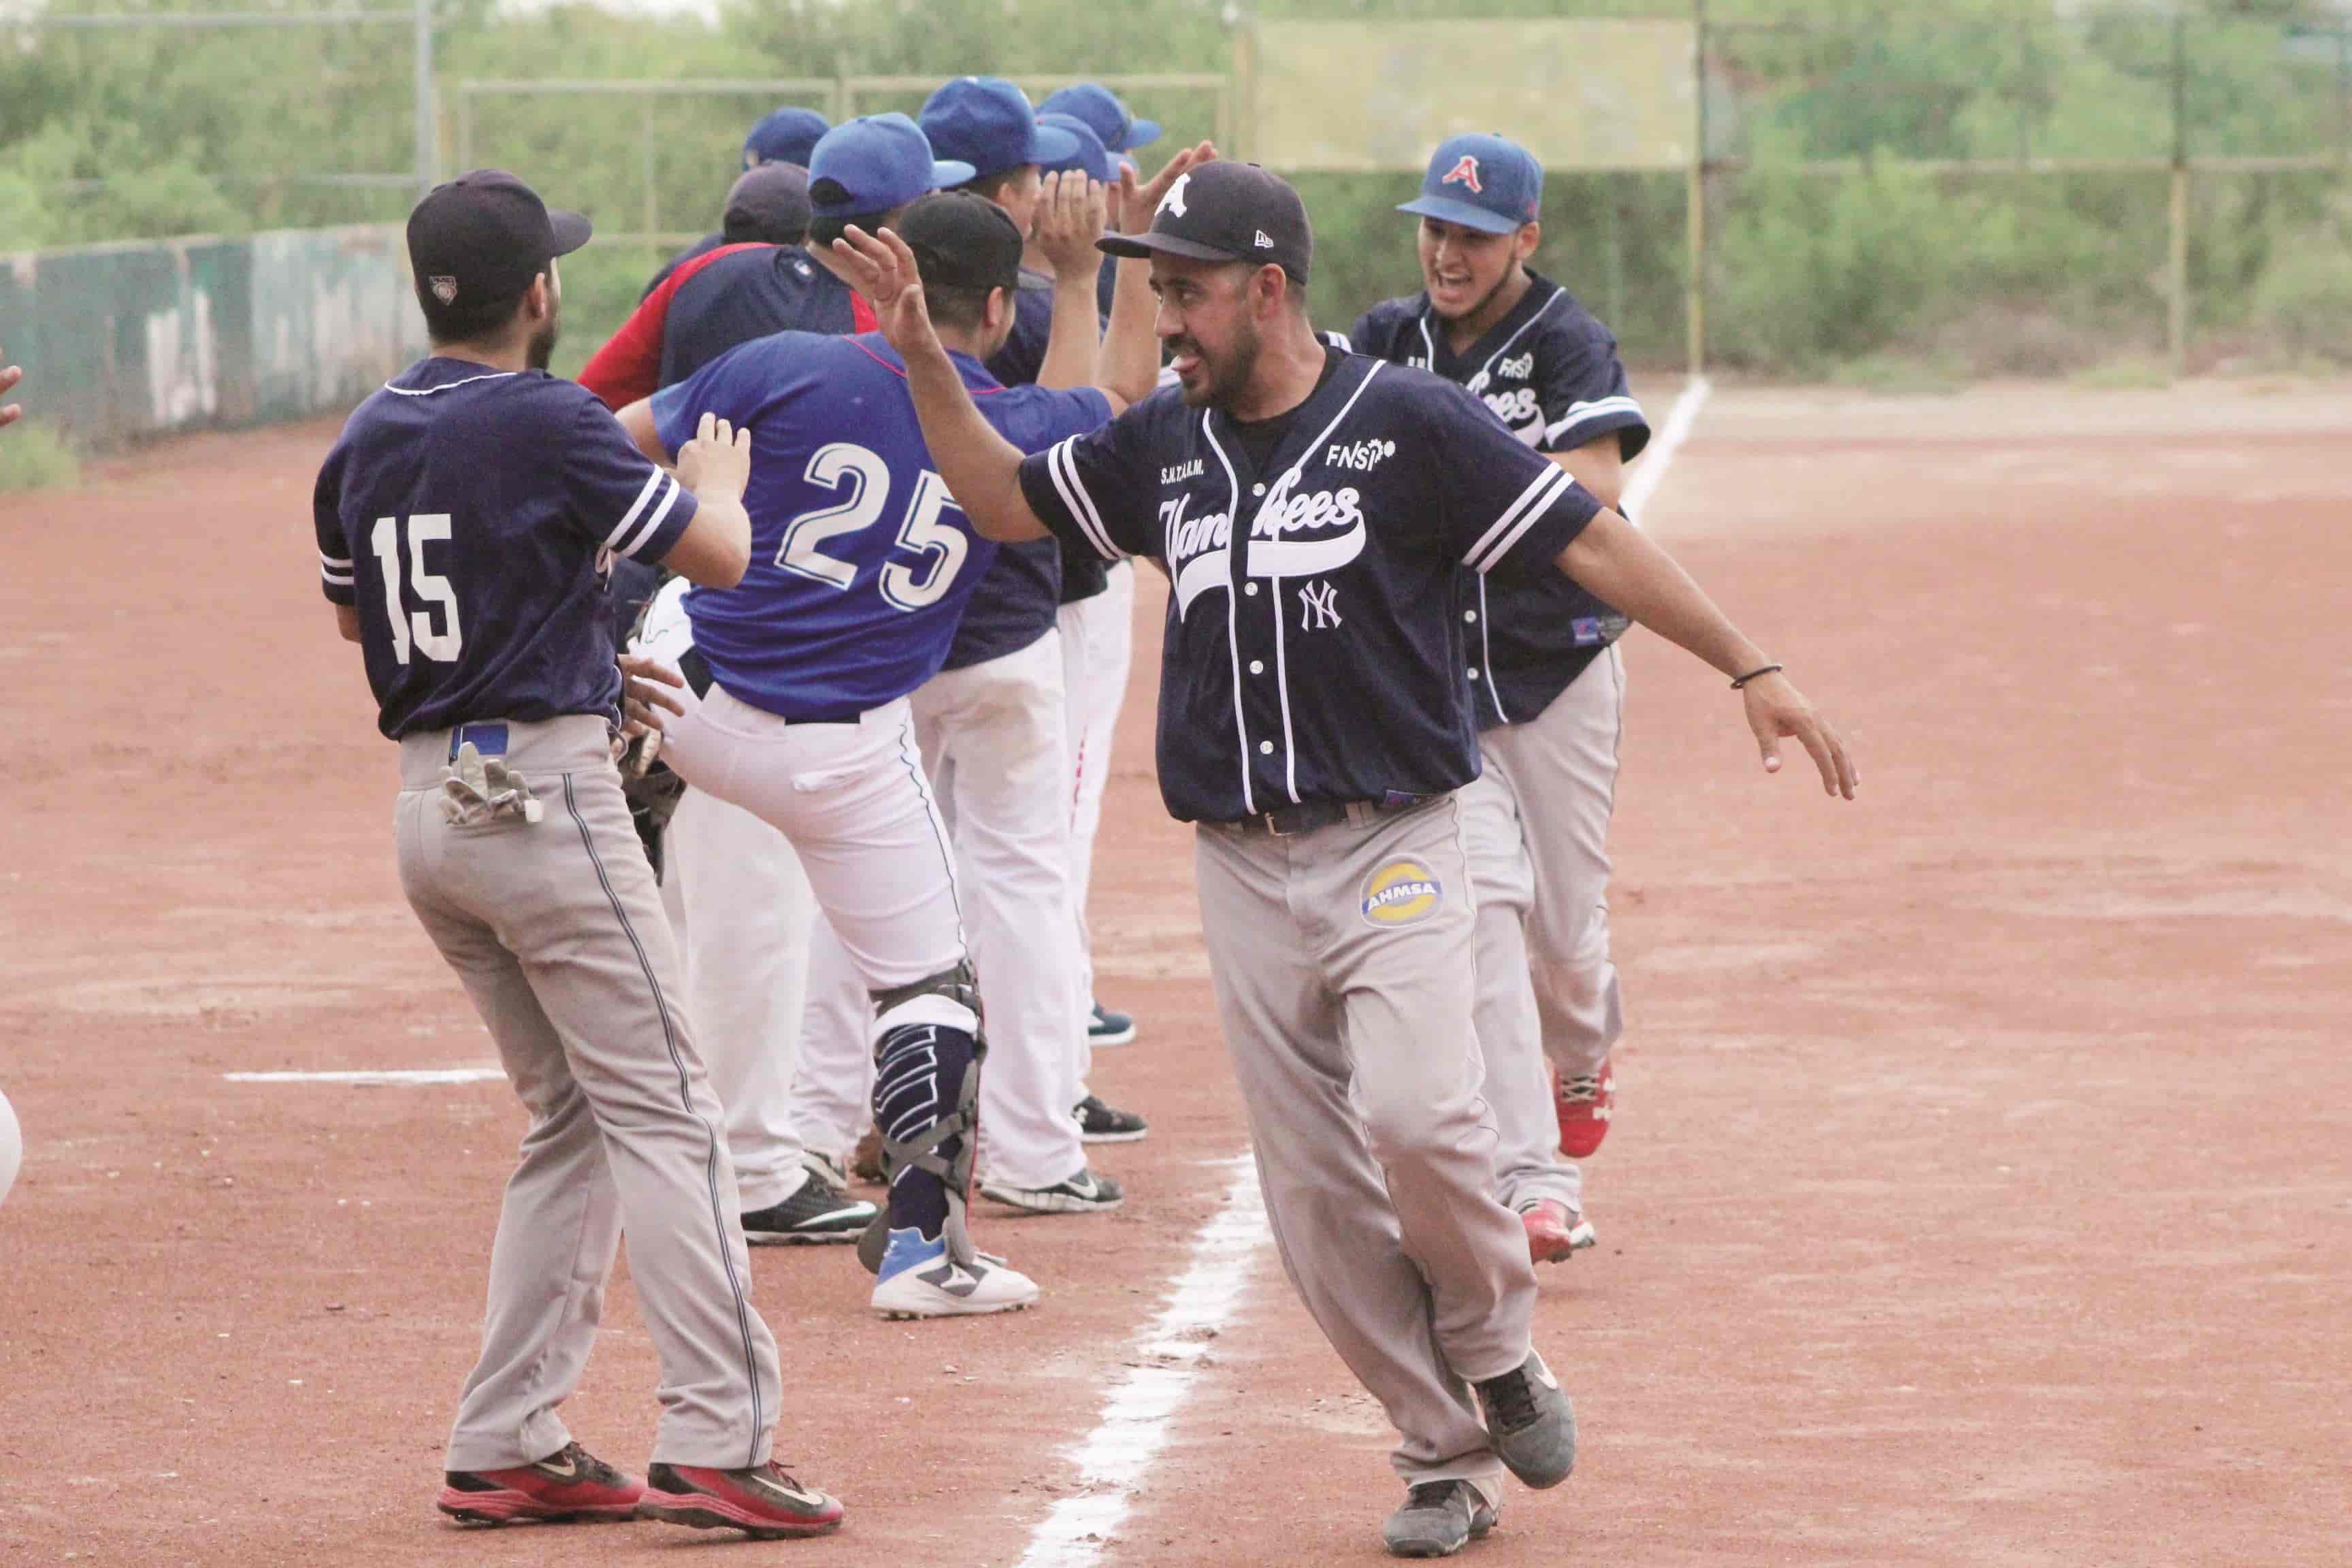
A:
[1292, 820]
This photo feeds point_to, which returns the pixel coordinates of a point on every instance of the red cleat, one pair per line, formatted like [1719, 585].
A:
[1556, 1233]
[1583, 1106]
[573, 1485]
[762, 1502]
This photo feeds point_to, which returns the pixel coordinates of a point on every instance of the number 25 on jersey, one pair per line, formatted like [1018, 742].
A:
[416, 626]
[866, 477]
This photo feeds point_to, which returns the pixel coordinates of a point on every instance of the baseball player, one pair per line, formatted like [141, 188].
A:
[738, 897]
[1097, 613]
[990, 723]
[862, 565]
[1546, 678]
[465, 520]
[786, 139]
[1092, 622]
[1312, 508]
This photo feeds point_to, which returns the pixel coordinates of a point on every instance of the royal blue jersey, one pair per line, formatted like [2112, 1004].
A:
[1015, 601]
[861, 562]
[1549, 372]
[470, 516]
[1313, 650]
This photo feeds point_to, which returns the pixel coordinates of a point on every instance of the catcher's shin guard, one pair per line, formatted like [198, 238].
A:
[927, 1053]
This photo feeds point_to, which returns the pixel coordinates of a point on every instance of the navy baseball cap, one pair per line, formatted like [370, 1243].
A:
[1118, 130]
[769, 204]
[481, 237]
[987, 122]
[1485, 182]
[787, 136]
[1225, 212]
[963, 241]
[1092, 159]
[876, 163]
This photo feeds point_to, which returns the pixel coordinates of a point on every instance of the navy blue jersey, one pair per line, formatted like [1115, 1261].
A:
[1314, 652]
[861, 562]
[1548, 370]
[470, 516]
[1014, 603]
[703, 246]
[747, 295]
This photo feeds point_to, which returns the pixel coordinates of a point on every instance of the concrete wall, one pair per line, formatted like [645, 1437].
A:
[144, 338]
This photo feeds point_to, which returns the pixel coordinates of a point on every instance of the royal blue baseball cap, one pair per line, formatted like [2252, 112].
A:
[874, 164]
[1485, 182]
[987, 122]
[1118, 129]
[1092, 159]
[787, 136]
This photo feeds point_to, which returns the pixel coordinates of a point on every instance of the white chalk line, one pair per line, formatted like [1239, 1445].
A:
[1140, 1413]
[397, 1076]
[1651, 472]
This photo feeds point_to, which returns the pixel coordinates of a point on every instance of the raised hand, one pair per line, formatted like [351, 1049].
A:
[716, 464]
[1138, 203]
[882, 268]
[1070, 217]
[1778, 711]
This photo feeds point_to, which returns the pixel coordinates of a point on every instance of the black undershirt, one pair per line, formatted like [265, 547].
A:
[1257, 438]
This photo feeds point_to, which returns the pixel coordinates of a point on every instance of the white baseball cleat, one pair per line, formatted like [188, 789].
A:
[919, 1279]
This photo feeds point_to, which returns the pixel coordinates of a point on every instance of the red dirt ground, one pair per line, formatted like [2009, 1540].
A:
[1978, 1194]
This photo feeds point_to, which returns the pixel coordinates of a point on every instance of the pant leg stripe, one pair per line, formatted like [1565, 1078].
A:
[718, 1214]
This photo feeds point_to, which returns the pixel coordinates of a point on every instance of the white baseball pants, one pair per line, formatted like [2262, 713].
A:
[1097, 647]
[1537, 823]
[740, 905]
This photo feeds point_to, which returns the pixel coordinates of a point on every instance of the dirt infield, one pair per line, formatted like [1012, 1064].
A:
[1978, 1195]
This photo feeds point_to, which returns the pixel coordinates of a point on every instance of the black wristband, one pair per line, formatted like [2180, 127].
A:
[1743, 680]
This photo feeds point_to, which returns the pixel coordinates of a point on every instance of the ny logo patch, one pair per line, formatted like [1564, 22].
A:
[1465, 173]
[1319, 606]
[1173, 202]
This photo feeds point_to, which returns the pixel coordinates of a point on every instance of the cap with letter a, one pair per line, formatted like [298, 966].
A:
[1224, 211]
[1487, 183]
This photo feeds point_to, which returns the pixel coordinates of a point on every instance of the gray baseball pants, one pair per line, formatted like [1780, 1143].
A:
[556, 929]
[1537, 822]
[1348, 1023]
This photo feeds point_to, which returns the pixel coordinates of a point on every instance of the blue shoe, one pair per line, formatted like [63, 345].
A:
[1105, 1027]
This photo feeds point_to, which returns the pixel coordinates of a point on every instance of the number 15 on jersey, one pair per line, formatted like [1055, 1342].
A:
[417, 626]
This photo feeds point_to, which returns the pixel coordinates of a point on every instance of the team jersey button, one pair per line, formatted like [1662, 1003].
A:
[1258, 489]
[1471, 616]
[1251, 589]
[1257, 667]
[1266, 747]
[1473, 675]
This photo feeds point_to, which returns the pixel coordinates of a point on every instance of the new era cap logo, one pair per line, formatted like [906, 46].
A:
[1465, 173]
[1173, 202]
[445, 290]
[1263, 243]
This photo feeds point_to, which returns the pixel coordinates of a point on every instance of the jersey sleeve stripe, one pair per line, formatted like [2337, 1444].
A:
[1532, 516]
[1496, 541]
[334, 563]
[338, 579]
[1584, 412]
[653, 483]
[653, 524]
[1062, 465]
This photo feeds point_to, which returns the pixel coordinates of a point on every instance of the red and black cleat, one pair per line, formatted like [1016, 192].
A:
[572, 1486]
[762, 1502]
[1584, 1107]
